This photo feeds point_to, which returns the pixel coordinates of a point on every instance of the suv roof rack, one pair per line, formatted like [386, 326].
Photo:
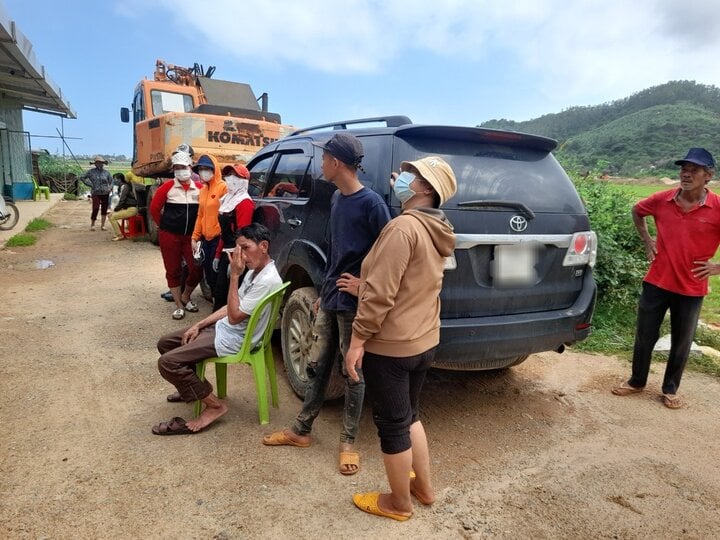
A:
[390, 121]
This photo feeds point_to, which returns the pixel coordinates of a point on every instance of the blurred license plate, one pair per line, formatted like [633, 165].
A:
[515, 264]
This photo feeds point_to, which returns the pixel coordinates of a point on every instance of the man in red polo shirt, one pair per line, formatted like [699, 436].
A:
[688, 234]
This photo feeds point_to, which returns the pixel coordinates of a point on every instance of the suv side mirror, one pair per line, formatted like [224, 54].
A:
[124, 115]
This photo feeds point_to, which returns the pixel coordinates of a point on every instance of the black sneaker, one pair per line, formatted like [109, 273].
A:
[167, 296]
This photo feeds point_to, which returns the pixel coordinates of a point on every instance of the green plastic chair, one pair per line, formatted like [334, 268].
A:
[260, 357]
[38, 191]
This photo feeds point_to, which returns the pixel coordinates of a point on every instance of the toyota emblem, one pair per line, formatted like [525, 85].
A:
[518, 223]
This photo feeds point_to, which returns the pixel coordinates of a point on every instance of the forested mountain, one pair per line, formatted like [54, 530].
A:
[639, 135]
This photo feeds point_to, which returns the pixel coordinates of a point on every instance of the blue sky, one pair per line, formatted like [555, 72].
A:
[457, 62]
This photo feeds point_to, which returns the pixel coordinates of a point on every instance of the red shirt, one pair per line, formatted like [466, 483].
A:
[682, 237]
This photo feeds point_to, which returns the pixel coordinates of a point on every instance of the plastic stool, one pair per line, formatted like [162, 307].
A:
[133, 226]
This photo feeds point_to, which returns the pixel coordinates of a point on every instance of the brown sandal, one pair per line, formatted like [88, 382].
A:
[347, 459]
[624, 389]
[673, 401]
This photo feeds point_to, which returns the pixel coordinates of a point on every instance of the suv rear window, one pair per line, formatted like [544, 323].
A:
[491, 172]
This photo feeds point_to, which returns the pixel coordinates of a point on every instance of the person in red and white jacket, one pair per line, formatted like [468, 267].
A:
[174, 208]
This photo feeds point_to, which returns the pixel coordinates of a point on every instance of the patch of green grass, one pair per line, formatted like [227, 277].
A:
[21, 240]
[38, 224]
[70, 197]
[640, 191]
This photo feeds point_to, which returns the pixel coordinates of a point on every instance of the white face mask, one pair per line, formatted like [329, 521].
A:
[235, 184]
[206, 176]
[182, 174]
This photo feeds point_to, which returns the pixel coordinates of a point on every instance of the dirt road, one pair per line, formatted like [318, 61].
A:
[540, 451]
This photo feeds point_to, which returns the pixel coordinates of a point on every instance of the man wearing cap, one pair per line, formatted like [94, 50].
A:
[397, 329]
[174, 208]
[688, 234]
[206, 234]
[357, 215]
[100, 183]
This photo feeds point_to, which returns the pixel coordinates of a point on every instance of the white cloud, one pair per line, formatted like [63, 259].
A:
[573, 49]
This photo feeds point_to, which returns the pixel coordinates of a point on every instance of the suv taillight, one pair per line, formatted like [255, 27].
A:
[582, 249]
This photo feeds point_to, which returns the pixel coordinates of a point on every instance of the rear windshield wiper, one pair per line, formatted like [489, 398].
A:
[507, 204]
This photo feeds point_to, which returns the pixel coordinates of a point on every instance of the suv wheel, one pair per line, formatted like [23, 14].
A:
[296, 337]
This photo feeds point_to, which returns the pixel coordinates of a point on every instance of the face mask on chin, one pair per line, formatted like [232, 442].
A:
[183, 175]
[401, 187]
[206, 176]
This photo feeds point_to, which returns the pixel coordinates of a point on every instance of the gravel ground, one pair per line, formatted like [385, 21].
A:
[542, 450]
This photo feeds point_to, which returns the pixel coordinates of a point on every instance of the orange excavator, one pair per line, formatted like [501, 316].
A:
[185, 105]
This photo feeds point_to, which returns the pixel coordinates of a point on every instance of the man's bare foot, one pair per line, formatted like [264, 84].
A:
[214, 409]
[424, 495]
[349, 459]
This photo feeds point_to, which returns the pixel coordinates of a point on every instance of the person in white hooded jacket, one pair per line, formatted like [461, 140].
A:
[235, 212]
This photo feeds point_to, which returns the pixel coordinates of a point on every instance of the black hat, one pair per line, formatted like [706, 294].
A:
[345, 147]
[698, 156]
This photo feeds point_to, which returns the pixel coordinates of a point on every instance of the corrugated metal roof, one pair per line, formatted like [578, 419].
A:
[22, 77]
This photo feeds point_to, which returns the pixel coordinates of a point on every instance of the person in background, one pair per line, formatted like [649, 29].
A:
[184, 147]
[397, 329]
[100, 183]
[126, 206]
[357, 215]
[235, 212]
[174, 208]
[219, 334]
[206, 235]
[688, 234]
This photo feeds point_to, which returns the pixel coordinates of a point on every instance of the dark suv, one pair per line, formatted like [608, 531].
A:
[521, 278]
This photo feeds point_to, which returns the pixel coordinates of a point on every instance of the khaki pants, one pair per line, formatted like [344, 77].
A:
[119, 215]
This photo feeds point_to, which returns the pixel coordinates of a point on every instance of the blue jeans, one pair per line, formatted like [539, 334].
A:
[330, 329]
[684, 314]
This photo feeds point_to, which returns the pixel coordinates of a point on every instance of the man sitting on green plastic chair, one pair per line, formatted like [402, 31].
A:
[219, 334]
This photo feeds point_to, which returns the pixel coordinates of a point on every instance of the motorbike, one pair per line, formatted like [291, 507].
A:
[9, 215]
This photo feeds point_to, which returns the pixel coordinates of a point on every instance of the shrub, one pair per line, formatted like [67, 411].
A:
[21, 240]
[621, 263]
[70, 197]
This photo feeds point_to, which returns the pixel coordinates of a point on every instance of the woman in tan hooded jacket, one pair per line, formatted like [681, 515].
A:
[397, 329]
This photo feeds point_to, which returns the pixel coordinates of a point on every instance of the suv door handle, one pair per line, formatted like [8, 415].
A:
[294, 222]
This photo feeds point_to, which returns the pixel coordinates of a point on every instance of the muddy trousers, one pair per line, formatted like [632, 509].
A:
[684, 314]
[331, 328]
[177, 362]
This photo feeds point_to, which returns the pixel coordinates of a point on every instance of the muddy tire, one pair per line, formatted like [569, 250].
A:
[152, 227]
[296, 337]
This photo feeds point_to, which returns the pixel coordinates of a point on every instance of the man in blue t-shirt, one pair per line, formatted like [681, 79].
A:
[357, 215]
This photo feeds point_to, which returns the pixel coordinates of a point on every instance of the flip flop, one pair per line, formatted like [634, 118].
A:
[280, 439]
[191, 307]
[349, 458]
[176, 426]
[418, 497]
[178, 314]
[175, 398]
[673, 401]
[368, 502]
[624, 389]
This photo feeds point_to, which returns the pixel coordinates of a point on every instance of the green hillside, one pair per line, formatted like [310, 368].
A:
[640, 135]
